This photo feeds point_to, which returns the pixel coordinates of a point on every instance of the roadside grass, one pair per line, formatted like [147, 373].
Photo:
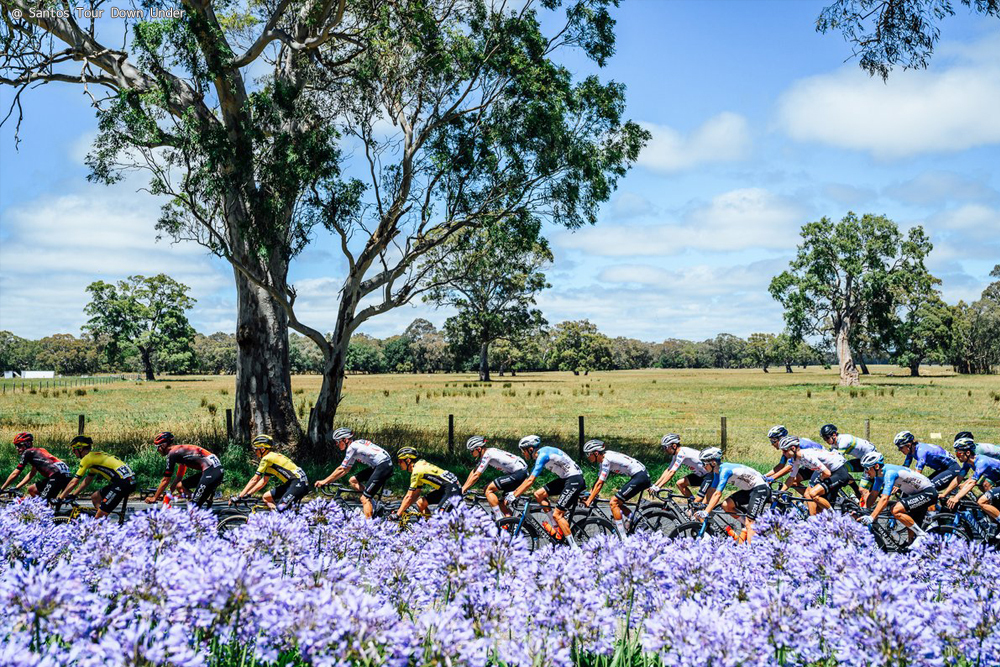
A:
[630, 410]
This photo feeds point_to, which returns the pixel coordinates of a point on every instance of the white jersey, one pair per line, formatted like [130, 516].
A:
[848, 445]
[503, 461]
[817, 459]
[556, 461]
[366, 452]
[615, 462]
[690, 458]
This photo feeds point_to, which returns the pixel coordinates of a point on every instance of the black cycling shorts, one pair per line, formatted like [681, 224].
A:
[993, 496]
[638, 483]
[854, 465]
[52, 486]
[752, 501]
[568, 489]
[917, 504]
[832, 485]
[445, 496]
[942, 478]
[508, 483]
[695, 480]
[375, 478]
[294, 490]
[202, 486]
[116, 492]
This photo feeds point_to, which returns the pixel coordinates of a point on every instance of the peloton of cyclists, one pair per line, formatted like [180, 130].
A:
[620, 464]
[916, 494]
[513, 472]
[848, 446]
[377, 462]
[784, 465]
[985, 474]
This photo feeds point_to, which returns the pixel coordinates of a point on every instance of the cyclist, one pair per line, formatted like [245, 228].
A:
[946, 469]
[121, 479]
[986, 473]
[981, 449]
[513, 471]
[916, 494]
[377, 472]
[442, 484]
[55, 473]
[752, 496]
[569, 483]
[294, 483]
[200, 484]
[682, 456]
[848, 445]
[830, 472]
[784, 465]
[620, 464]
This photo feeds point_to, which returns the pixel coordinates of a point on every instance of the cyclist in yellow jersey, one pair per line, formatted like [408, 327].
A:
[294, 484]
[121, 479]
[442, 485]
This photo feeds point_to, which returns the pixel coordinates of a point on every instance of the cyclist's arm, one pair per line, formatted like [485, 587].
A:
[525, 485]
[598, 485]
[27, 478]
[880, 505]
[780, 471]
[471, 480]
[665, 478]
[164, 482]
[410, 498]
[714, 498]
[251, 486]
[951, 486]
[10, 479]
[962, 492]
[73, 484]
[333, 476]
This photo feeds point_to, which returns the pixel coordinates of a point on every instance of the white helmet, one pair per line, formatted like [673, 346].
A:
[788, 442]
[343, 434]
[592, 446]
[872, 459]
[670, 439]
[475, 442]
[777, 432]
[529, 442]
[711, 454]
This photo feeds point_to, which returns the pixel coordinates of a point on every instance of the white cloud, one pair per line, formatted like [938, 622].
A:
[722, 138]
[933, 187]
[735, 220]
[917, 111]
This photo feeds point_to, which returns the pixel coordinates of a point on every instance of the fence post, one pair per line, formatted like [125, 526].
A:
[80, 426]
[580, 418]
[451, 434]
[868, 429]
[723, 432]
[229, 424]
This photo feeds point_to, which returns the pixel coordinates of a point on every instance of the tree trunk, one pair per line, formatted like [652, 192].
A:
[484, 362]
[788, 367]
[848, 371]
[264, 401]
[864, 366]
[765, 368]
[915, 368]
[147, 363]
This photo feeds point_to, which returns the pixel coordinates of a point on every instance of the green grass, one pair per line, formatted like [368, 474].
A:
[630, 410]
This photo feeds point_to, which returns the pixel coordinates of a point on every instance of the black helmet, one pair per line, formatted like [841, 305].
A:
[827, 431]
[964, 434]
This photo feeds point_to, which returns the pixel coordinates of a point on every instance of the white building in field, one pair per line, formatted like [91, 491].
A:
[29, 375]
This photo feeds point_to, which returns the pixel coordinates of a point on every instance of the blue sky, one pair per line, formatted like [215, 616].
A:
[759, 125]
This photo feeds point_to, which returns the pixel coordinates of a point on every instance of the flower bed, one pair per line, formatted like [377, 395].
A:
[322, 588]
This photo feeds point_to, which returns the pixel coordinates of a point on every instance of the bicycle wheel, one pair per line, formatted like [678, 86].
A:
[591, 527]
[230, 523]
[61, 520]
[691, 529]
[655, 520]
[508, 532]
[949, 531]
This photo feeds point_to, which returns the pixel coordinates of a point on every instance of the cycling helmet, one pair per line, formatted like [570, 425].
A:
[777, 432]
[529, 442]
[263, 442]
[964, 434]
[407, 453]
[24, 440]
[788, 442]
[965, 445]
[872, 459]
[827, 431]
[165, 439]
[342, 434]
[711, 454]
[593, 446]
[903, 438]
[670, 439]
[475, 442]
[81, 442]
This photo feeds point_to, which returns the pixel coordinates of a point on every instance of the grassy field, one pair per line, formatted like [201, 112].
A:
[631, 410]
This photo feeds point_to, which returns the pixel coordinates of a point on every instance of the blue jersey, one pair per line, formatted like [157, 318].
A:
[557, 461]
[985, 467]
[932, 456]
[907, 480]
[982, 449]
[743, 477]
[804, 443]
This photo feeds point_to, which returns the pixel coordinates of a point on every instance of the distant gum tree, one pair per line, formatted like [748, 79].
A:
[142, 317]
[846, 272]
